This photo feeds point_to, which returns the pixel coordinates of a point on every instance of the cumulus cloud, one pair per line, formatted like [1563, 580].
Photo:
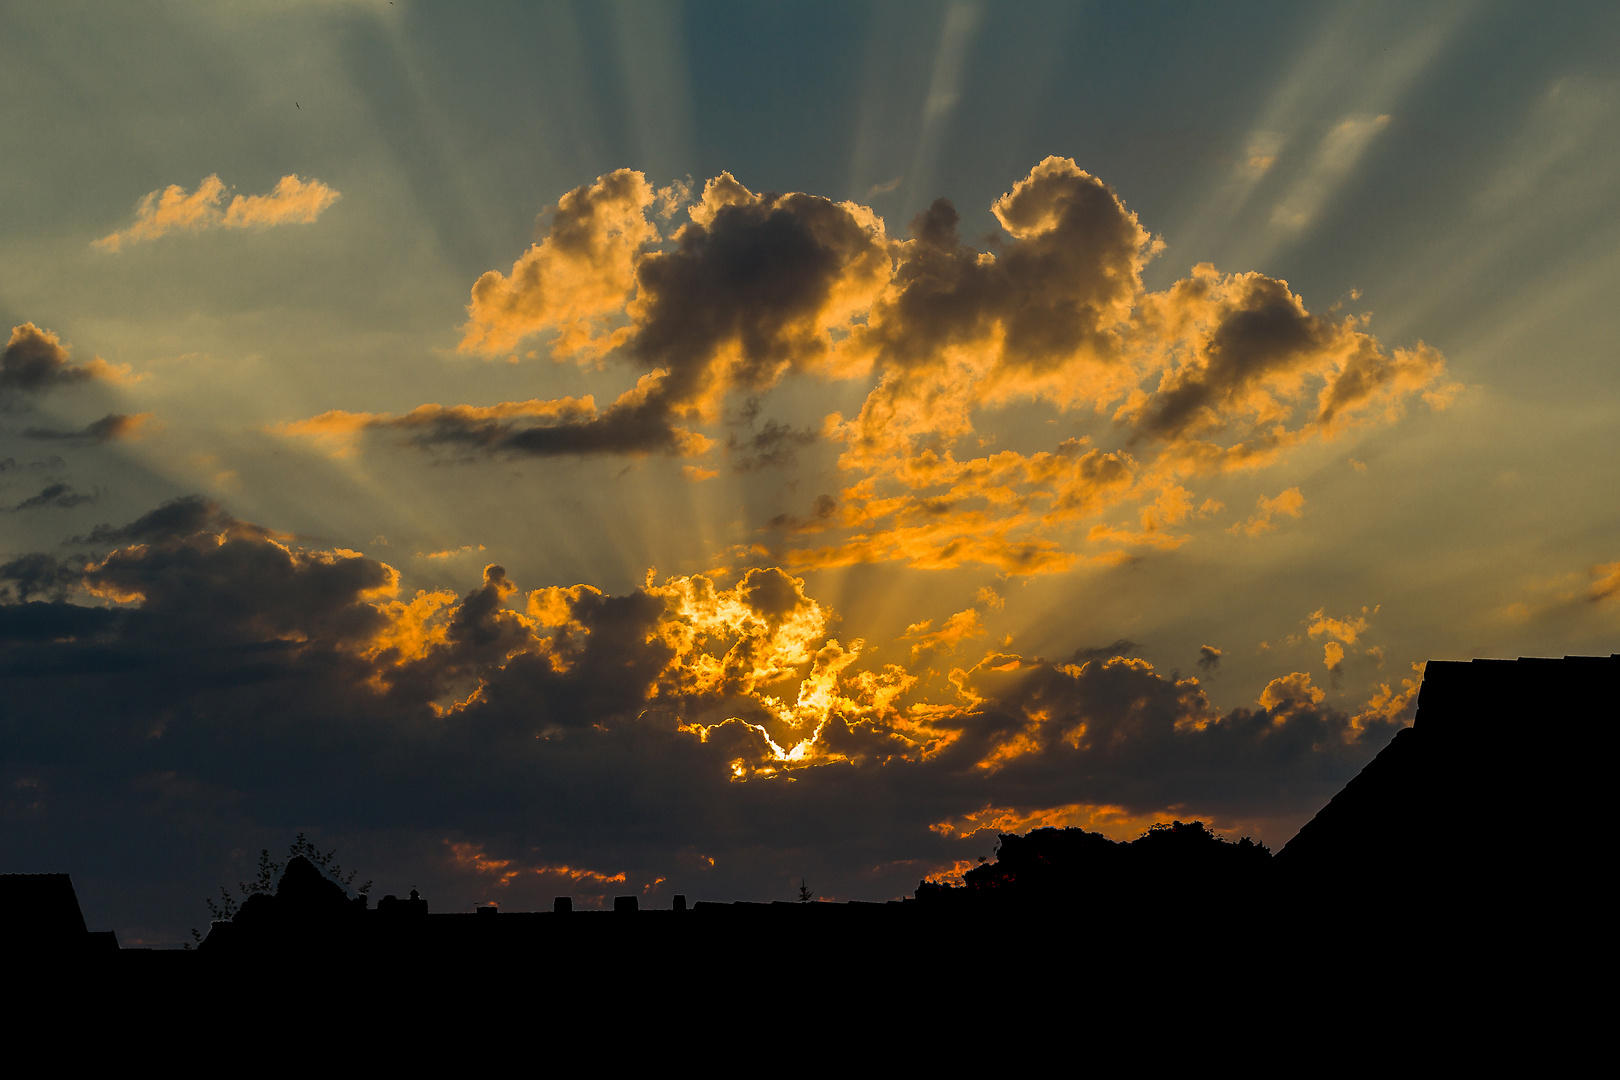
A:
[754, 285]
[576, 280]
[1218, 372]
[110, 428]
[35, 360]
[293, 201]
[1209, 657]
[699, 728]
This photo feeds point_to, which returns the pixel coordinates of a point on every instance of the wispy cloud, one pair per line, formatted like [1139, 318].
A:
[292, 202]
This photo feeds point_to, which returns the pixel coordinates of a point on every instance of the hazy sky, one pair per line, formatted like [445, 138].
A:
[632, 448]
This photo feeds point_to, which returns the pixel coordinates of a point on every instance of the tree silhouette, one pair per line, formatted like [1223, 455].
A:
[264, 882]
[1054, 865]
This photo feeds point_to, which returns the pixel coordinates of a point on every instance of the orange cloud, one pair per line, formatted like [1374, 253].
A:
[575, 280]
[1347, 629]
[1287, 502]
[292, 201]
[1388, 706]
[1115, 822]
[958, 628]
[1607, 585]
[1291, 692]
[1218, 372]
[470, 856]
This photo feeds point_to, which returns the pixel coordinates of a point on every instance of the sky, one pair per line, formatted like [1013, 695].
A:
[637, 449]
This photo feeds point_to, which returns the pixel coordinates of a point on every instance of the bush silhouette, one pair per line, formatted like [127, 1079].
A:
[1054, 865]
[302, 850]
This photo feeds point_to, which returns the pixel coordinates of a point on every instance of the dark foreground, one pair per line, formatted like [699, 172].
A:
[1397, 896]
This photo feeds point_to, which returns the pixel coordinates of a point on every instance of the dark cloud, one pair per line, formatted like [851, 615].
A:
[746, 293]
[234, 687]
[52, 462]
[739, 301]
[1263, 331]
[1061, 286]
[38, 574]
[754, 273]
[634, 428]
[237, 583]
[1122, 647]
[35, 360]
[59, 495]
[772, 446]
[824, 508]
[177, 517]
[56, 621]
[1209, 657]
[111, 427]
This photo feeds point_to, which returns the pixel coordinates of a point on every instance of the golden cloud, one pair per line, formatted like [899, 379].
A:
[1289, 503]
[1218, 372]
[1347, 629]
[1607, 583]
[293, 201]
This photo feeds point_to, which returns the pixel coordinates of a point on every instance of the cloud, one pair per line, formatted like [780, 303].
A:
[59, 494]
[532, 428]
[35, 360]
[755, 285]
[952, 632]
[1289, 502]
[1607, 583]
[37, 574]
[450, 553]
[110, 428]
[574, 281]
[1216, 373]
[1122, 647]
[237, 680]
[292, 202]
[1209, 657]
[772, 446]
[177, 517]
[1347, 629]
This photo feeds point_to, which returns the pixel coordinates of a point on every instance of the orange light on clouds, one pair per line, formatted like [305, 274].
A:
[292, 202]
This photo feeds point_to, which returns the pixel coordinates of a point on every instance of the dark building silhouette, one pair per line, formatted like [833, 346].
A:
[1489, 798]
[1473, 825]
[42, 911]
